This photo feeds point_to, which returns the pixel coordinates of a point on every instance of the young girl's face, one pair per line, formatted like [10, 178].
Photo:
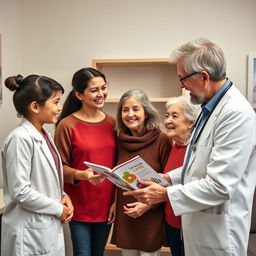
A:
[49, 112]
[95, 94]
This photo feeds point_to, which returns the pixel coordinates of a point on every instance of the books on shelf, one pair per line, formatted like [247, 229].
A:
[128, 174]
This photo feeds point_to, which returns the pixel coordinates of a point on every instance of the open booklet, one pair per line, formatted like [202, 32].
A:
[127, 174]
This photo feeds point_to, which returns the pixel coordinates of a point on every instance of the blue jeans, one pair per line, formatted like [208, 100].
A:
[89, 238]
[174, 240]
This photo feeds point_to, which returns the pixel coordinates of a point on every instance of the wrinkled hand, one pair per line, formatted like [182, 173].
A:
[166, 177]
[151, 194]
[136, 209]
[112, 213]
[68, 209]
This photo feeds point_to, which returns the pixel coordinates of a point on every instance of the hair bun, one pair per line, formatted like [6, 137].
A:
[13, 82]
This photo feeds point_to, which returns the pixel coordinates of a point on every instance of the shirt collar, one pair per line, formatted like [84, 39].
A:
[209, 106]
[32, 130]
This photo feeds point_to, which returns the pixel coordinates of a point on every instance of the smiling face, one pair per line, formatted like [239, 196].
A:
[133, 115]
[95, 94]
[49, 112]
[177, 126]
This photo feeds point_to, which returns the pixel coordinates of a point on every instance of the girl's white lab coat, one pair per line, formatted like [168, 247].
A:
[33, 189]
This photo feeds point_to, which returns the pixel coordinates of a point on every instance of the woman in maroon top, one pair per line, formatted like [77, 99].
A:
[139, 228]
[85, 133]
[179, 121]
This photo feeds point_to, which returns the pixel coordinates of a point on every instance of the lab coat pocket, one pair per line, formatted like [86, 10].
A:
[211, 231]
[38, 237]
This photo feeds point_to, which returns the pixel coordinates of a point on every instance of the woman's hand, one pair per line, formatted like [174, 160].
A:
[112, 213]
[136, 209]
[96, 178]
[89, 175]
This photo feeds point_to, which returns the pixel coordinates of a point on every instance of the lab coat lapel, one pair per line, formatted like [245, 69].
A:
[59, 172]
[46, 151]
[203, 136]
[44, 147]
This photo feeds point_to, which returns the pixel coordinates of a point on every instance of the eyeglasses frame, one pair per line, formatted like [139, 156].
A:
[182, 79]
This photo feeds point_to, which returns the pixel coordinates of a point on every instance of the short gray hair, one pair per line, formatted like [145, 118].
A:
[202, 55]
[152, 121]
[191, 111]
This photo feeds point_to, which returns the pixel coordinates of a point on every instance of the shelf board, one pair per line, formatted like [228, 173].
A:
[116, 100]
[113, 247]
[99, 63]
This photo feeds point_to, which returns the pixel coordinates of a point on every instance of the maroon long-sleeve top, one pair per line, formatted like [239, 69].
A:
[79, 141]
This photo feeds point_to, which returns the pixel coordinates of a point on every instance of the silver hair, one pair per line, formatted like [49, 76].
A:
[152, 121]
[191, 111]
[202, 55]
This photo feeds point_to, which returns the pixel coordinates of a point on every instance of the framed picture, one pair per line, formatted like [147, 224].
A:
[1, 85]
[251, 82]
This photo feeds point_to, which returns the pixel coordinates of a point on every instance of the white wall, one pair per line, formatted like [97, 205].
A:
[60, 36]
[63, 35]
[10, 29]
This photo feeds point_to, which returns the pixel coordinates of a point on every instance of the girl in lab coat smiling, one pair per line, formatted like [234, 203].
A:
[36, 206]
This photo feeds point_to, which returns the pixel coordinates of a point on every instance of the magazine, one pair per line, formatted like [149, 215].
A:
[127, 174]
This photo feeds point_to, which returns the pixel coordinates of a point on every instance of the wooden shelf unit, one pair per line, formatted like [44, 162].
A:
[156, 76]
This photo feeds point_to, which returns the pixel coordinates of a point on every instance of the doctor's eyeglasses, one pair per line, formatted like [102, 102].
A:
[182, 79]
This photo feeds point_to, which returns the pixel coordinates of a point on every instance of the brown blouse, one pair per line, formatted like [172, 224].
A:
[145, 233]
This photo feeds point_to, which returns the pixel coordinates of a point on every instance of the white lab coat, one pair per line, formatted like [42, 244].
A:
[33, 189]
[216, 200]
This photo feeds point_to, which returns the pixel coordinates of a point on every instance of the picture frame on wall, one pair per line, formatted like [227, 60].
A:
[251, 81]
[1, 85]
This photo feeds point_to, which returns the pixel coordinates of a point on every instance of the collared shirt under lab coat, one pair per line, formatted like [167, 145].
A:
[33, 188]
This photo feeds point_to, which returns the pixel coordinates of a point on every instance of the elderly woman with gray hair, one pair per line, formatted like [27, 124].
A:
[138, 227]
[179, 121]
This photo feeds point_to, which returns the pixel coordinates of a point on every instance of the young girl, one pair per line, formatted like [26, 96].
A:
[35, 204]
[85, 133]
